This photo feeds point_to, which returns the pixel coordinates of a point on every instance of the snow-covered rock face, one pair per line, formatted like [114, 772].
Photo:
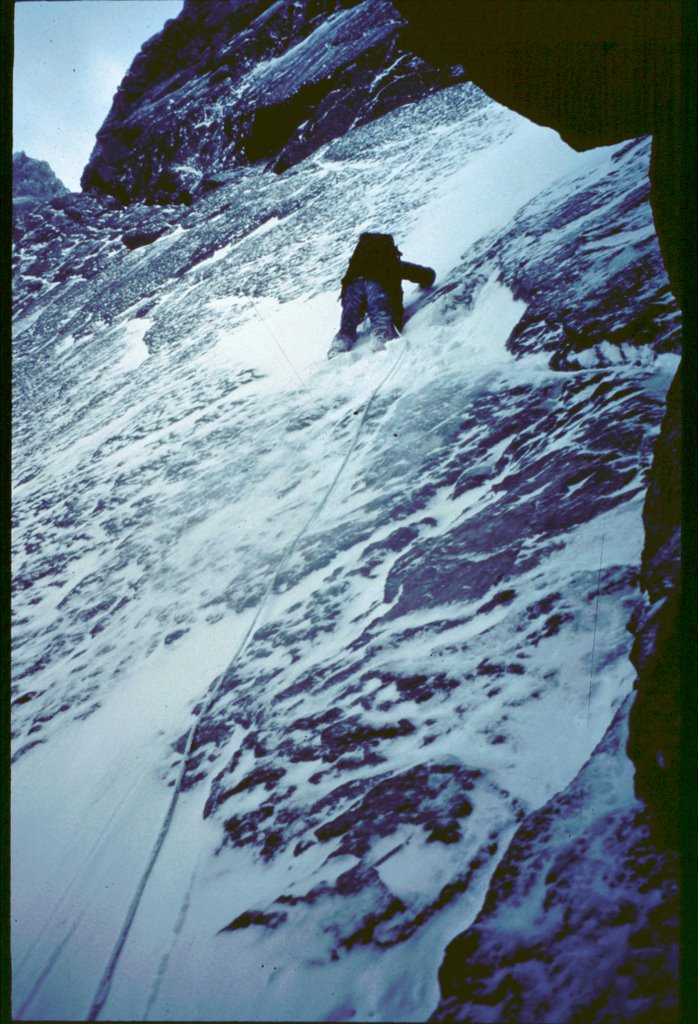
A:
[33, 183]
[227, 83]
[563, 935]
[299, 644]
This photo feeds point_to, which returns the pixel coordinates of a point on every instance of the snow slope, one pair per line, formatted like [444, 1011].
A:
[298, 644]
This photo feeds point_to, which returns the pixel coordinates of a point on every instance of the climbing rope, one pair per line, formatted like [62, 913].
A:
[277, 342]
[212, 694]
[596, 615]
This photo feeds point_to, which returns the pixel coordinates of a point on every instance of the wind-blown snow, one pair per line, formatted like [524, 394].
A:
[396, 574]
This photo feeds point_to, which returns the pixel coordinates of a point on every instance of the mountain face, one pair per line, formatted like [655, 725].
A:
[33, 182]
[226, 84]
[322, 680]
[600, 74]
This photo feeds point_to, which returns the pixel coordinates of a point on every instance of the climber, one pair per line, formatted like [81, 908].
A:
[372, 286]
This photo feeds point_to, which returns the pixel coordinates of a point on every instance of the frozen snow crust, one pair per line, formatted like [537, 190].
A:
[298, 644]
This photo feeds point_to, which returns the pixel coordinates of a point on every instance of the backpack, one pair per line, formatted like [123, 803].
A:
[377, 258]
[375, 254]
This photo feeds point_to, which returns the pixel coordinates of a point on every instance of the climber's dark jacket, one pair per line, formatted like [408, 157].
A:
[377, 258]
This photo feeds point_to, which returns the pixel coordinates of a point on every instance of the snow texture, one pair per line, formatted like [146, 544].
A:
[298, 644]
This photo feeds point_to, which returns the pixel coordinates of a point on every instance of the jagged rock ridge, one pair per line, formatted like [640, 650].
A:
[34, 179]
[228, 84]
[33, 185]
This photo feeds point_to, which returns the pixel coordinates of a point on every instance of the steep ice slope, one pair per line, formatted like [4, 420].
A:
[381, 602]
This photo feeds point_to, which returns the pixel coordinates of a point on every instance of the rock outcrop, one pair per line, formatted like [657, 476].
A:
[34, 186]
[598, 71]
[580, 921]
[34, 180]
[225, 85]
[655, 740]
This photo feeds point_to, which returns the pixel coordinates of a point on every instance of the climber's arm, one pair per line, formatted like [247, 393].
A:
[423, 276]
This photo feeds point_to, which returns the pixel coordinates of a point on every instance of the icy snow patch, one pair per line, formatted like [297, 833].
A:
[136, 350]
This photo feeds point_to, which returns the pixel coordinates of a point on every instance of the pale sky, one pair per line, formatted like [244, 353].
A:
[70, 56]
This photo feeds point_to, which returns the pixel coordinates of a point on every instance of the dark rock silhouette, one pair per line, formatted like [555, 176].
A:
[655, 721]
[598, 72]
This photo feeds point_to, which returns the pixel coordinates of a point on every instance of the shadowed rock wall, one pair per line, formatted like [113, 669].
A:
[597, 71]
